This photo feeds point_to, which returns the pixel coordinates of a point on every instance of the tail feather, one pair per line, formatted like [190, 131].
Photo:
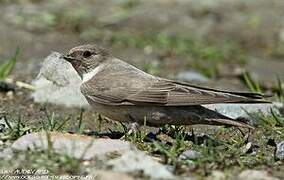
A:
[229, 122]
[245, 97]
[253, 96]
[215, 118]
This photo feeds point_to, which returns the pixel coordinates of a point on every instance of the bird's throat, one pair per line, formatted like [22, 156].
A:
[89, 75]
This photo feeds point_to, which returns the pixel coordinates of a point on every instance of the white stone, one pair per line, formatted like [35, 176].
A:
[190, 154]
[77, 146]
[58, 83]
[243, 110]
[279, 153]
[137, 161]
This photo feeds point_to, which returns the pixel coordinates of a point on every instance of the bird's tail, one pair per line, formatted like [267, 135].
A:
[229, 122]
[215, 118]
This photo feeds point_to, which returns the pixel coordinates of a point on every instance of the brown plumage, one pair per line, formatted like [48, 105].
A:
[122, 92]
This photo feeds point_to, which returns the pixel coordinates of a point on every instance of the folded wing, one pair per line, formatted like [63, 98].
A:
[164, 92]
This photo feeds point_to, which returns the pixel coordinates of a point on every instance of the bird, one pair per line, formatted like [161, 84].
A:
[124, 93]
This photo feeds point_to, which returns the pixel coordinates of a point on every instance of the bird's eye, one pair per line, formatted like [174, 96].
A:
[87, 54]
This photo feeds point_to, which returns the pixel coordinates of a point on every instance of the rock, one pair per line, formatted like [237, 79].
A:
[279, 153]
[243, 110]
[190, 155]
[192, 76]
[58, 83]
[137, 161]
[109, 175]
[217, 175]
[10, 95]
[255, 175]
[77, 146]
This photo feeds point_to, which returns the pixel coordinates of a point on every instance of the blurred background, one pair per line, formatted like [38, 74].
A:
[203, 41]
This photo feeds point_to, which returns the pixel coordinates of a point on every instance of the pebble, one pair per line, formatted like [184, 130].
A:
[138, 161]
[10, 94]
[279, 153]
[192, 76]
[190, 155]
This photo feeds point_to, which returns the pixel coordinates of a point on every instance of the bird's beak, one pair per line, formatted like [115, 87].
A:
[68, 58]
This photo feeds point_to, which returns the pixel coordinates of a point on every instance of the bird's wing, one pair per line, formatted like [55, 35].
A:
[165, 92]
[186, 94]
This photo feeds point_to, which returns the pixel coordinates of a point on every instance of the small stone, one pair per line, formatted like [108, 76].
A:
[255, 175]
[279, 153]
[245, 110]
[77, 146]
[148, 49]
[190, 155]
[10, 94]
[138, 161]
[192, 76]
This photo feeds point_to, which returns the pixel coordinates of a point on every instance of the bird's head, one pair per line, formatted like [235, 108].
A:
[86, 57]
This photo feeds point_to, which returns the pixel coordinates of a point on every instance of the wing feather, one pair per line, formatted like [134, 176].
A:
[165, 93]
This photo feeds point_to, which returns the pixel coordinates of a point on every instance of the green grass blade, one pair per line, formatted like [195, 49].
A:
[6, 68]
[280, 93]
[253, 86]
